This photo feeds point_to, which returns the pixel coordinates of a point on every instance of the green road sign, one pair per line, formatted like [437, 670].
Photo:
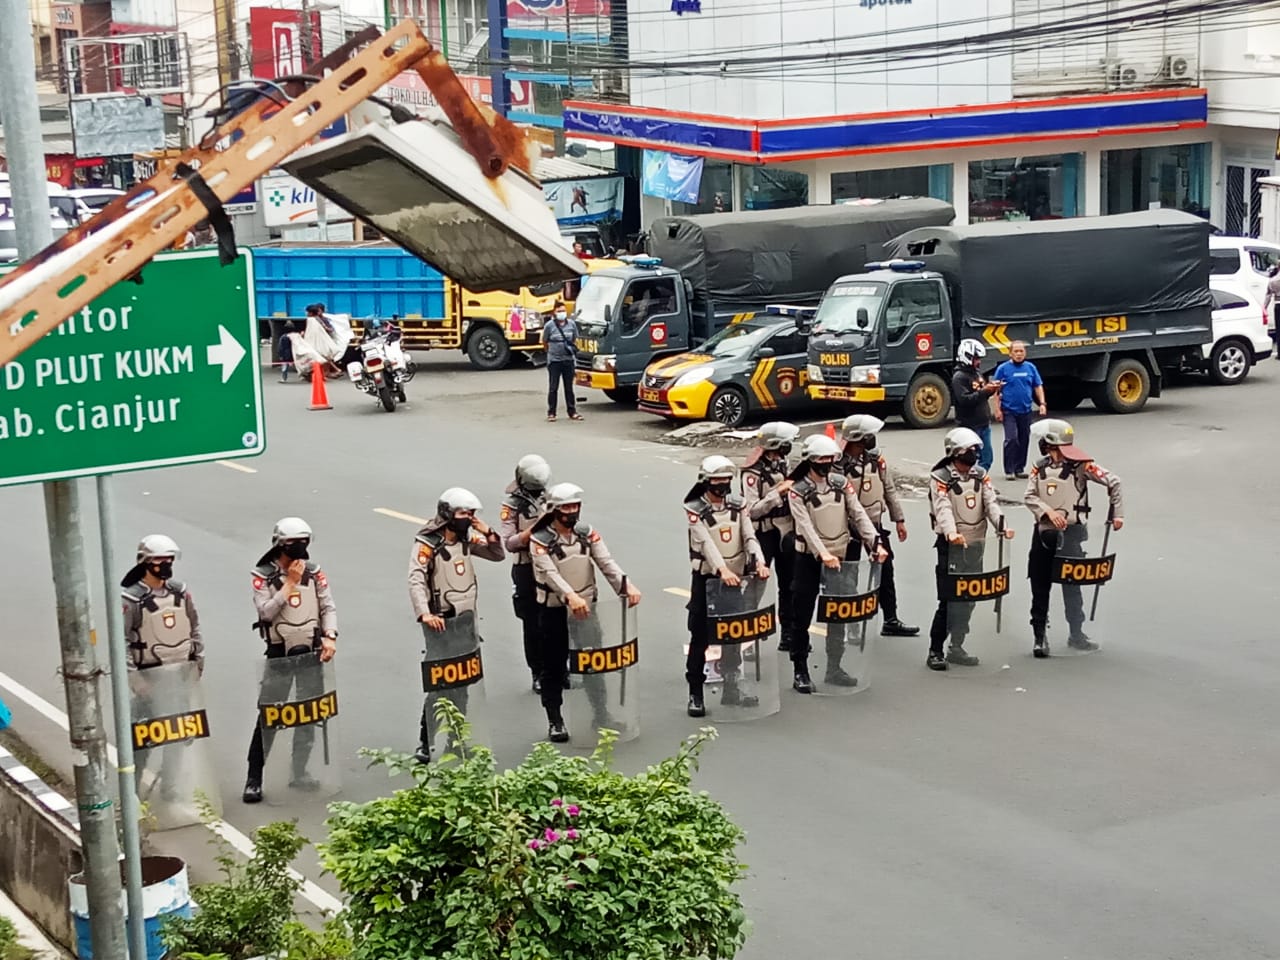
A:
[149, 375]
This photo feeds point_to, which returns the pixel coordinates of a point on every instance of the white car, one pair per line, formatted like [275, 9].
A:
[1241, 333]
[92, 199]
[1242, 260]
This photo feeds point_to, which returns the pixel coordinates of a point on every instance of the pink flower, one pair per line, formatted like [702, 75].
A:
[557, 802]
[572, 810]
[535, 844]
[572, 834]
[551, 836]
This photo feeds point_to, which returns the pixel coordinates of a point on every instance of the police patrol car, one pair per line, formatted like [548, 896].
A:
[755, 364]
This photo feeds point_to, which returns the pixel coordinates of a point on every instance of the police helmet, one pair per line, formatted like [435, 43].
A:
[777, 434]
[960, 439]
[155, 545]
[290, 528]
[564, 495]
[819, 445]
[716, 467]
[861, 428]
[533, 473]
[969, 351]
[455, 499]
[1054, 433]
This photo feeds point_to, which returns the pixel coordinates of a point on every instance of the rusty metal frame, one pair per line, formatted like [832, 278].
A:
[66, 276]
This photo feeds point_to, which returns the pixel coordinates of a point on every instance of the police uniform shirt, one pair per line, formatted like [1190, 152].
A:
[1044, 493]
[869, 473]
[519, 512]
[765, 505]
[183, 648]
[963, 504]
[270, 599]
[807, 531]
[704, 548]
[553, 586]
[424, 558]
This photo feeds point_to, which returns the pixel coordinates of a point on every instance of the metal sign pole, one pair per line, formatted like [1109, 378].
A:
[129, 808]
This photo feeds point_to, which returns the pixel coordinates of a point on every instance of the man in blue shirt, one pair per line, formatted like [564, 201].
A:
[1021, 398]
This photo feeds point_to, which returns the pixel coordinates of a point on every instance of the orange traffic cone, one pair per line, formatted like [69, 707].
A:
[319, 398]
[831, 431]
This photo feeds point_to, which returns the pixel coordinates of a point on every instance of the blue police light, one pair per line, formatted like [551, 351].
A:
[901, 266]
[649, 262]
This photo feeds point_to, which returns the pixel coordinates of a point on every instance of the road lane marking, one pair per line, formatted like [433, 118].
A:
[397, 515]
[232, 465]
[318, 896]
[817, 629]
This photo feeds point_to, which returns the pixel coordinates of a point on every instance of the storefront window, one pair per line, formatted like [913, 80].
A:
[1025, 188]
[933, 181]
[1174, 177]
[766, 188]
[715, 195]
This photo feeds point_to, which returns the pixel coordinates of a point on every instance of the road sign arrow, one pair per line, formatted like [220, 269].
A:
[226, 353]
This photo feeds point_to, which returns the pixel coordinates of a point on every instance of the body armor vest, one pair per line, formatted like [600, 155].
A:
[965, 494]
[827, 511]
[725, 525]
[164, 633]
[779, 518]
[298, 622]
[865, 471]
[451, 576]
[1059, 487]
[527, 510]
[573, 562]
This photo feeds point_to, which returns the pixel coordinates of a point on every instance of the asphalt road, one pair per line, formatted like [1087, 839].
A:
[1119, 805]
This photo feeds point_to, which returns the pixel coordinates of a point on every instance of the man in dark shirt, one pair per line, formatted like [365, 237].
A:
[971, 394]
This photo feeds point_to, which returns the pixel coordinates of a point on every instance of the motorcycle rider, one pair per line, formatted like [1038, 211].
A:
[1058, 497]
[962, 502]
[864, 466]
[729, 554]
[825, 508]
[764, 493]
[296, 614]
[442, 579]
[566, 552]
[524, 505]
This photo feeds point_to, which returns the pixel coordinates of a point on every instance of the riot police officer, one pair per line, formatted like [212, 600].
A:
[962, 502]
[296, 614]
[862, 463]
[523, 506]
[442, 578]
[566, 552]
[729, 554]
[1058, 497]
[825, 508]
[764, 492]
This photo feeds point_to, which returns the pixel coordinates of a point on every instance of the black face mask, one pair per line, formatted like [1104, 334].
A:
[718, 489]
[967, 457]
[567, 519]
[162, 570]
[296, 550]
[461, 526]
[821, 469]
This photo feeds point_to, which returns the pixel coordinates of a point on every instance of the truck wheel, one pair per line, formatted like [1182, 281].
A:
[927, 402]
[728, 406]
[487, 349]
[1229, 362]
[623, 395]
[1126, 389]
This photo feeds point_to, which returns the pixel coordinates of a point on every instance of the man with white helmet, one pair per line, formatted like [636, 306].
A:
[442, 579]
[764, 491]
[296, 614]
[566, 553]
[1058, 497]
[971, 393]
[731, 552]
[524, 505]
[824, 506]
[864, 466]
[962, 502]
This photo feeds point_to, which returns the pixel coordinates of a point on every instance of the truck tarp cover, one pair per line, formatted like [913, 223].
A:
[792, 254]
[1147, 262]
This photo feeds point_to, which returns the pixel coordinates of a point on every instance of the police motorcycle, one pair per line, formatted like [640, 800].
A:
[383, 368]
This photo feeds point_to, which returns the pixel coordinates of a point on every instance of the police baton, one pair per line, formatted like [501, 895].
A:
[622, 691]
[1106, 536]
[999, 566]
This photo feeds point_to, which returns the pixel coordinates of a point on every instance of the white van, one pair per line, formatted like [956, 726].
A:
[1244, 260]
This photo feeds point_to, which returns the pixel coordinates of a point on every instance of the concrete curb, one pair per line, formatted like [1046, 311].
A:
[45, 795]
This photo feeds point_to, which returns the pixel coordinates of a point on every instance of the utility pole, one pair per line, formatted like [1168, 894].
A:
[24, 146]
[306, 33]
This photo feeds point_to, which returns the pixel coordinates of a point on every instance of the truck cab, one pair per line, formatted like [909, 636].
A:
[885, 335]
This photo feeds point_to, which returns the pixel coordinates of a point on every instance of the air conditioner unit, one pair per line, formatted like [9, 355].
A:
[609, 82]
[1122, 75]
[1178, 69]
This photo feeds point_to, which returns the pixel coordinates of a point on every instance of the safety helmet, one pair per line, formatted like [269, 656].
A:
[564, 495]
[716, 467]
[455, 499]
[533, 473]
[860, 428]
[970, 350]
[777, 434]
[1054, 433]
[961, 438]
[157, 545]
[819, 445]
[290, 528]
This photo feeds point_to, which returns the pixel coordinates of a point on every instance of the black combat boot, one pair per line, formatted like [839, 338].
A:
[957, 654]
[802, 682]
[1079, 640]
[696, 707]
[893, 627]
[1040, 649]
[936, 661]
[556, 731]
[734, 697]
[423, 753]
[837, 677]
[252, 790]
[305, 782]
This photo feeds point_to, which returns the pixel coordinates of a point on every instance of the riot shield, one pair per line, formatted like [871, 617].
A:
[977, 573]
[297, 714]
[604, 650]
[172, 760]
[848, 602]
[452, 669]
[738, 618]
[1083, 564]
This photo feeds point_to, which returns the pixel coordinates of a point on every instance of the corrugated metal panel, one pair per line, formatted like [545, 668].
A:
[562, 168]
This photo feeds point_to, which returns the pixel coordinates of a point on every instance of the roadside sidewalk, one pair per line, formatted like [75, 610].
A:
[29, 935]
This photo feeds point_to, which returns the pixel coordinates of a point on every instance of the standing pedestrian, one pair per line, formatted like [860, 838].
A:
[558, 337]
[1021, 397]
[972, 394]
[284, 350]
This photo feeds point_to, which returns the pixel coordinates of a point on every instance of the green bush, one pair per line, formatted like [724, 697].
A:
[10, 948]
[561, 858]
